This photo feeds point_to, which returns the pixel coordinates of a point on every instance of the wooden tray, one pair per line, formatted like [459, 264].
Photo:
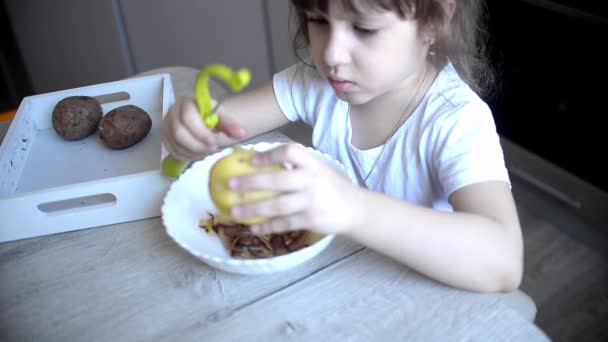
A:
[49, 185]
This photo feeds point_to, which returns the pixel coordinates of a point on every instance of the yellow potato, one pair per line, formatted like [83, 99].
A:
[237, 163]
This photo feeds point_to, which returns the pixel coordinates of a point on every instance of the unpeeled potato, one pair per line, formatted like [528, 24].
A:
[124, 126]
[76, 117]
[238, 163]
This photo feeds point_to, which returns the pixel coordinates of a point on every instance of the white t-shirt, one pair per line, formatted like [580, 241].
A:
[448, 142]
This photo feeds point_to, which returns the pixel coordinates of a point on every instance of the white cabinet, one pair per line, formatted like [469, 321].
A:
[68, 43]
[281, 26]
[195, 33]
[71, 43]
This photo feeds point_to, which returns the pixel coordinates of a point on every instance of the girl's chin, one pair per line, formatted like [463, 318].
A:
[352, 98]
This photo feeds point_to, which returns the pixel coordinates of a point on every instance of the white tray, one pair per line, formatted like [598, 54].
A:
[49, 185]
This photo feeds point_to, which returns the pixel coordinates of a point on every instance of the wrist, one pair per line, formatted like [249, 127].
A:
[356, 217]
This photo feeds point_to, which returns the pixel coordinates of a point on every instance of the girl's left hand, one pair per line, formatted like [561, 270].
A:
[312, 195]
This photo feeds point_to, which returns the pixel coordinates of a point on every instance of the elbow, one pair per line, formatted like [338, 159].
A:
[506, 278]
[503, 282]
[495, 278]
[513, 268]
[500, 274]
[511, 279]
[509, 269]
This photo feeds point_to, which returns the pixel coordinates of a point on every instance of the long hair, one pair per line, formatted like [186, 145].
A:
[461, 38]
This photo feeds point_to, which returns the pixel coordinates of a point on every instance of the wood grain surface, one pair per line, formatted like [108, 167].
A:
[131, 282]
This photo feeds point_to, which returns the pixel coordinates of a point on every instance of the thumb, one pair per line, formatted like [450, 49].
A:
[230, 128]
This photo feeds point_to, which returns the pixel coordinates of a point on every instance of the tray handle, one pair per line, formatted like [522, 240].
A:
[82, 206]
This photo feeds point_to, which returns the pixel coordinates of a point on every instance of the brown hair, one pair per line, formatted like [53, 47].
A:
[461, 38]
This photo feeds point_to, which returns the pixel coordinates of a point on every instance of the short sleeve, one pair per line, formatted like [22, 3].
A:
[297, 90]
[467, 148]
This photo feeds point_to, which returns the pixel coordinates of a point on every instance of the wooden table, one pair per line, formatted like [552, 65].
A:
[131, 282]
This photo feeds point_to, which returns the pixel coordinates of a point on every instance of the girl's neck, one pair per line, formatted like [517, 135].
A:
[396, 99]
[375, 121]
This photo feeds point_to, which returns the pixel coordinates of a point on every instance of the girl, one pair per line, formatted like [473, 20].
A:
[392, 95]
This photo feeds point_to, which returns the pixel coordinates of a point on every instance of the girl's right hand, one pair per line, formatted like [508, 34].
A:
[186, 136]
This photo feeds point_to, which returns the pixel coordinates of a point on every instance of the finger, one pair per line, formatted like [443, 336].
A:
[281, 181]
[173, 134]
[294, 154]
[189, 153]
[189, 117]
[281, 205]
[169, 148]
[231, 128]
[185, 146]
[281, 225]
[171, 144]
[186, 142]
[166, 138]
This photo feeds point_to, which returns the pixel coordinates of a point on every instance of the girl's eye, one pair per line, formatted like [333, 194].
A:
[365, 31]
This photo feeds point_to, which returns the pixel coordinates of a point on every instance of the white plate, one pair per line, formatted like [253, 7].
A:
[188, 201]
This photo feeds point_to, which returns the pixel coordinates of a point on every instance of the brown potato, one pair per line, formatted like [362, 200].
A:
[76, 117]
[124, 127]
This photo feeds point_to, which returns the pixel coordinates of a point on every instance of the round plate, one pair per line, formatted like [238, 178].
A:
[188, 202]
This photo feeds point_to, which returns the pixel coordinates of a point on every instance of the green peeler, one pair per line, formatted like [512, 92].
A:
[237, 80]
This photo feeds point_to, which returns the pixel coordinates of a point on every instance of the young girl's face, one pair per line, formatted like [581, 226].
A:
[364, 56]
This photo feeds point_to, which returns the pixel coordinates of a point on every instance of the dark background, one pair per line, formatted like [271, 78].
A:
[550, 60]
[14, 81]
[551, 65]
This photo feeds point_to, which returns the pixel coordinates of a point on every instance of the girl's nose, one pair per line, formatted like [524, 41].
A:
[336, 51]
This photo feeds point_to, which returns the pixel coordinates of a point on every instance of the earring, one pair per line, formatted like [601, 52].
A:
[432, 51]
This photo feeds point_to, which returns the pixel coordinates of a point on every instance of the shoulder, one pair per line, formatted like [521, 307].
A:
[301, 75]
[456, 120]
[450, 93]
[302, 93]
[451, 102]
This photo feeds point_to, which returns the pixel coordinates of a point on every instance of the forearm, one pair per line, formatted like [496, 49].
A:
[460, 249]
[257, 111]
